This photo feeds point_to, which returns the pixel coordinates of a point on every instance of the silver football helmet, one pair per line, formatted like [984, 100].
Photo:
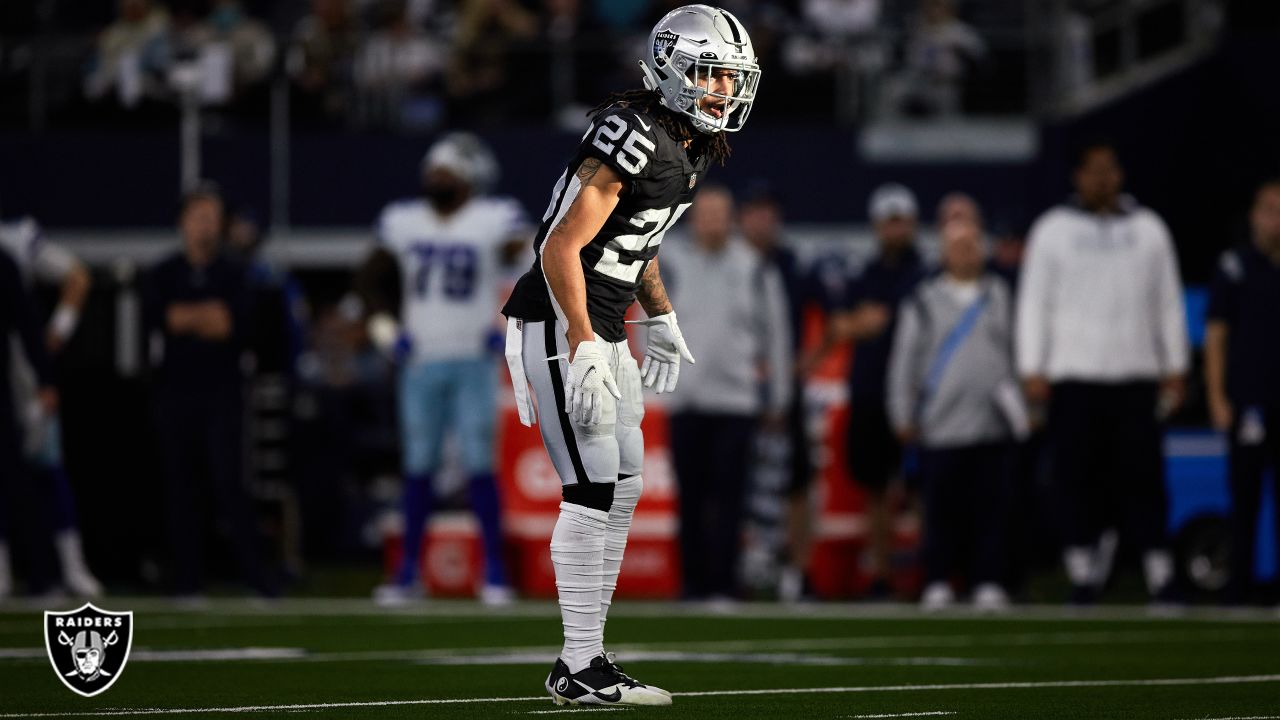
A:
[692, 42]
[466, 156]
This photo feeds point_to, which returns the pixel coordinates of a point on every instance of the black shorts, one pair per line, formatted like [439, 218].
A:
[874, 454]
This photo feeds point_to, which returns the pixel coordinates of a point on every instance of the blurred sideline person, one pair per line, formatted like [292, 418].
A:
[633, 174]
[953, 390]
[197, 302]
[17, 318]
[868, 319]
[39, 260]
[958, 206]
[743, 378]
[760, 220]
[1242, 376]
[1102, 341]
[449, 247]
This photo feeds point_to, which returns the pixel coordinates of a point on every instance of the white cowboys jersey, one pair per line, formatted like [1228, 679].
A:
[449, 269]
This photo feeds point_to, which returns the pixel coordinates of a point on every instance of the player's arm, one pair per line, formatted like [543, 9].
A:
[652, 295]
[602, 187]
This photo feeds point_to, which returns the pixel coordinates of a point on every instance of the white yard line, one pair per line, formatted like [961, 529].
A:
[1156, 682]
[1240, 717]
[575, 710]
[544, 656]
[931, 713]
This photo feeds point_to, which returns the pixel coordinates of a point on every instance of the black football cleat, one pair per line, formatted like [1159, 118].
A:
[600, 683]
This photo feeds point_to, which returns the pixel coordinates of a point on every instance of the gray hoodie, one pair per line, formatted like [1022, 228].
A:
[971, 401]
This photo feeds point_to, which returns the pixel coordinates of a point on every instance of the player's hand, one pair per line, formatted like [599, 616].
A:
[1173, 391]
[873, 319]
[388, 337]
[589, 379]
[661, 368]
[1036, 388]
[907, 435]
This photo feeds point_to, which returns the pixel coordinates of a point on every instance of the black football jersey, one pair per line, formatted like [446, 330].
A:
[660, 181]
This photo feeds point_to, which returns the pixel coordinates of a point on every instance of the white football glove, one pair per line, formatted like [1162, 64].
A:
[589, 379]
[661, 368]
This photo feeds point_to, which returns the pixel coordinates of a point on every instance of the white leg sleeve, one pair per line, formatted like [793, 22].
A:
[626, 493]
[577, 554]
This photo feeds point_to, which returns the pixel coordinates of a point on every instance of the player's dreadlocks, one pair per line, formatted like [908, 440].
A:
[650, 103]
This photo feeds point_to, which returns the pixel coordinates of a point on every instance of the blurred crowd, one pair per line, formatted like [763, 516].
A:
[419, 65]
[993, 370]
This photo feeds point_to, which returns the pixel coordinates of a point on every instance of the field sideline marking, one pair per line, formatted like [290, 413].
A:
[1157, 682]
[576, 710]
[514, 657]
[1241, 717]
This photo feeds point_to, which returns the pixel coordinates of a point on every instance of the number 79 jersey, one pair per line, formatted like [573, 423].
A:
[659, 183]
[449, 270]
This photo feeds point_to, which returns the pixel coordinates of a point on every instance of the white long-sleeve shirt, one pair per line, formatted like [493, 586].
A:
[1100, 299]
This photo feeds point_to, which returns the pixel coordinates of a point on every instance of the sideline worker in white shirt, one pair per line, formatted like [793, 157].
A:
[1101, 339]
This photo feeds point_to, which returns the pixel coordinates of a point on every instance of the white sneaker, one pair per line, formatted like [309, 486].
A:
[937, 596]
[990, 597]
[397, 595]
[791, 584]
[497, 595]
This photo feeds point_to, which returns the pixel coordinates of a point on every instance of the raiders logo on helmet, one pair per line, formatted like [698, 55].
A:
[88, 647]
[664, 43]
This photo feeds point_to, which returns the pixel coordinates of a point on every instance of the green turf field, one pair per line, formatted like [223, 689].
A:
[346, 659]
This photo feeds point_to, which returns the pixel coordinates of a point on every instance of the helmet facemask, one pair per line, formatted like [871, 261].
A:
[736, 103]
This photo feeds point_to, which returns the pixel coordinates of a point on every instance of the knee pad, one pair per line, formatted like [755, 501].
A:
[626, 492]
[630, 450]
[597, 496]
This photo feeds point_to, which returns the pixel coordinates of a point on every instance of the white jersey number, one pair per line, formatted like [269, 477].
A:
[653, 224]
[630, 157]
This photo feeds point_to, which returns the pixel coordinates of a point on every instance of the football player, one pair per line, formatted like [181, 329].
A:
[448, 247]
[633, 174]
[38, 259]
